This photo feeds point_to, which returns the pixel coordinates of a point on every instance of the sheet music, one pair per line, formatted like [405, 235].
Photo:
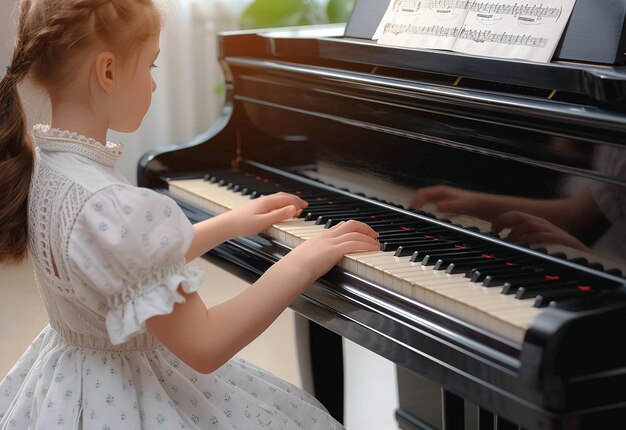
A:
[504, 28]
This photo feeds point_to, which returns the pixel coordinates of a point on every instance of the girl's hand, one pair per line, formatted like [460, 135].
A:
[319, 254]
[260, 214]
[531, 229]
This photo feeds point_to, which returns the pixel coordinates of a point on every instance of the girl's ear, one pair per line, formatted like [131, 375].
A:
[105, 71]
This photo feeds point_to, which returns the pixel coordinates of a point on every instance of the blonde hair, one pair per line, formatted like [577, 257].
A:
[53, 37]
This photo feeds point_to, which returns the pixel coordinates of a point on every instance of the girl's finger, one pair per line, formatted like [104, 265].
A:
[354, 246]
[281, 214]
[356, 236]
[357, 226]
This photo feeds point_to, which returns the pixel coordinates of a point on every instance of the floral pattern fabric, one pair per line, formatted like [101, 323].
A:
[115, 259]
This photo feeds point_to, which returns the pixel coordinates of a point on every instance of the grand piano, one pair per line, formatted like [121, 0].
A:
[486, 332]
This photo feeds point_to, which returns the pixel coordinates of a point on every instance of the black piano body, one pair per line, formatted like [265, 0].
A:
[305, 97]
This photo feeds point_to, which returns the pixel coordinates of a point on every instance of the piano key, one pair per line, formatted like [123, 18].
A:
[501, 279]
[480, 275]
[431, 258]
[534, 290]
[537, 280]
[545, 298]
[449, 292]
[425, 247]
[367, 219]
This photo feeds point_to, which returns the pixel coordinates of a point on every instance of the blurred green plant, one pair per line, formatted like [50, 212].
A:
[287, 13]
[339, 10]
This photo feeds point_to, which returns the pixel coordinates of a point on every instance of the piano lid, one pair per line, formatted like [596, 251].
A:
[402, 115]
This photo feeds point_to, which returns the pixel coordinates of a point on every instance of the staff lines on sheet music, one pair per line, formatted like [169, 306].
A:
[526, 10]
[422, 30]
[479, 36]
[482, 36]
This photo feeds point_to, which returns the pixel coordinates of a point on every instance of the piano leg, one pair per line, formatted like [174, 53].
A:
[424, 405]
[419, 402]
[485, 419]
[453, 411]
[320, 354]
[502, 424]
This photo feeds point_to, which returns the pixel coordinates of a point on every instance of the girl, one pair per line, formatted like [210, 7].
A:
[130, 344]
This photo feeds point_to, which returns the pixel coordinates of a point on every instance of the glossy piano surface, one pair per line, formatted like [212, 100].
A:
[385, 123]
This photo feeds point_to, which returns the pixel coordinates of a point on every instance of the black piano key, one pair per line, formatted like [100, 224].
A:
[397, 227]
[321, 219]
[339, 208]
[508, 267]
[530, 292]
[367, 219]
[451, 269]
[470, 264]
[549, 286]
[406, 225]
[539, 280]
[457, 252]
[363, 215]
[485, 265]
[406, 250]
[431, 258]
[328, 202]
[312, 215]
[417, 239]
[397, 234]
[439, 265]
[544, 299]
[483, 255]
[498, 280]
[481, 275]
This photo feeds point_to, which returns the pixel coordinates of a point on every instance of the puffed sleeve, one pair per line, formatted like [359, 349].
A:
[128, 245]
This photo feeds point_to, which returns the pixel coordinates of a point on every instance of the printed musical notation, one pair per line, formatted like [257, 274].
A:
[478, 36]
[503, 28]
[526, 10]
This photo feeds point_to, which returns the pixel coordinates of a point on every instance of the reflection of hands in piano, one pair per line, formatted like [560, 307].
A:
[262, 213]
[531, 229]
[565, 221]
[458, 201]
[316, 256]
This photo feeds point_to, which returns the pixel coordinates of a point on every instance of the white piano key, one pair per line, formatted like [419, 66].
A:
[453, 294]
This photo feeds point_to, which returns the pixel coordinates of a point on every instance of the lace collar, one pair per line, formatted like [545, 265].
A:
[53, 139]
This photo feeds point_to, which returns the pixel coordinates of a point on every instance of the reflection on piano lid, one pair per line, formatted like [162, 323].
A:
[307, 106]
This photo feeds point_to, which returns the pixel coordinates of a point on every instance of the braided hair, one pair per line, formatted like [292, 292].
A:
[53, 37]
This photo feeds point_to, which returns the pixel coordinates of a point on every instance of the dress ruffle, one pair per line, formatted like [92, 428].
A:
[153, 295]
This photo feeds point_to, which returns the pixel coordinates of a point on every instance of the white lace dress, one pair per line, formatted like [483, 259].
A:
[107, 257]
